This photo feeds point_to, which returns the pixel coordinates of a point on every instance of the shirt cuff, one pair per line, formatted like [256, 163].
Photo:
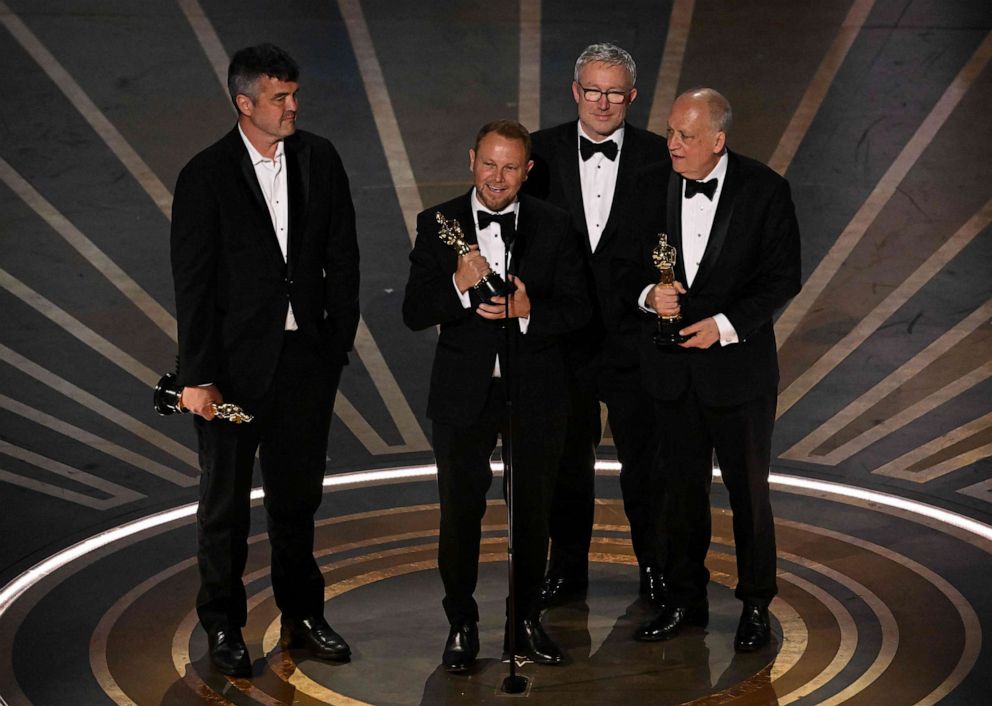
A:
[462, 296]
[642, 300]
[728, 334]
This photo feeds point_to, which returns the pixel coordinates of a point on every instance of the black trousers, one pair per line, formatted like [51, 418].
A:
[289, 433]
[464, 477]
[741, 435]
[631, 417]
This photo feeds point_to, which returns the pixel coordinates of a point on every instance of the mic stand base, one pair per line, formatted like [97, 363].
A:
[514, 684]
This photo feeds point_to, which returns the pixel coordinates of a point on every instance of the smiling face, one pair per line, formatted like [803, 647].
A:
[499, 168]
[271, 116]
[694, 142]
[600, 118]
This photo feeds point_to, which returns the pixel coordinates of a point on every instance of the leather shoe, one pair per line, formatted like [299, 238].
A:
[753, 630]
[653, 585]
[557, 589]
[670, 621]
[533, 643]
[462, 647]
[228, 652]
[316, 636]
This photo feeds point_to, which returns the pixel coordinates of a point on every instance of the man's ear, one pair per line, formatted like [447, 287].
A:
[720, 142]
[576, 93]
[245, 104]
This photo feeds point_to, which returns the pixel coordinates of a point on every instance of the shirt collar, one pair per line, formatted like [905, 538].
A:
[616, 136]
[256, 156]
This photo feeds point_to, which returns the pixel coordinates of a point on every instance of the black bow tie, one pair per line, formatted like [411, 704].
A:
[507, 223]
[587, 148]
[706, 188]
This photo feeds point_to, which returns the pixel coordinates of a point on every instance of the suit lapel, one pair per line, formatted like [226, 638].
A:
[463, 214]
[721, 222]
[298, 185]
[526, 226]
[567, 158]
[250, 182]
[673, 221]
[629, 162]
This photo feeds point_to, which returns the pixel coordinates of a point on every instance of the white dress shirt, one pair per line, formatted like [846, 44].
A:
[491, 247]
[698, 214]
[271, 175]
[598, 176]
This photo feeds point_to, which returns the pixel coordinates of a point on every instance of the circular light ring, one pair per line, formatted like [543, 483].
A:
[16, 588]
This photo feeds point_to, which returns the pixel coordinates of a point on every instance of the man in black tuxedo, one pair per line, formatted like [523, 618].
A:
[588, 167]
[265, 264]
[485, 355]
[733, 224]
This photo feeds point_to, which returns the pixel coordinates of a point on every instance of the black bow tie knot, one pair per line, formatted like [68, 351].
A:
[587, 148]
[507, 223]
[706, 188]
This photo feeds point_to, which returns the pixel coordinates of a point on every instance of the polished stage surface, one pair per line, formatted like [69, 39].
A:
[876, 111]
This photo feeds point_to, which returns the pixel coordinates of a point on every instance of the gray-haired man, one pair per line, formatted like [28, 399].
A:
[588, 167]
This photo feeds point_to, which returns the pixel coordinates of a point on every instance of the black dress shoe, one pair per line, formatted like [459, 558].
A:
[557, 589]
[316, 636]
[533, 643]
[228, 652]
[753, 631]
[462, 647]
[653, 585]
[670, 621]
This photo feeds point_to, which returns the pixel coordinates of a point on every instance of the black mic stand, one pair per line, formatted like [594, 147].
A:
[514, 683]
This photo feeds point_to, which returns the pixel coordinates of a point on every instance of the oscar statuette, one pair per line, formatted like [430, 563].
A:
[168, 399]
[664, 257]
[491, 285]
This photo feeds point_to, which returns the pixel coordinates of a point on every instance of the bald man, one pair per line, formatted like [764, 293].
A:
[733, 224]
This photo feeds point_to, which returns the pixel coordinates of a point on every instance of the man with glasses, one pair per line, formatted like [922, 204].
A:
[588, 167]
[733, 224]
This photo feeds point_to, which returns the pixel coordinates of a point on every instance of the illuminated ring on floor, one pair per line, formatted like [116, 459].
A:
[16, 588]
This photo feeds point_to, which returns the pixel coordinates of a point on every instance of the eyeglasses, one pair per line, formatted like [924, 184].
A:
[594, 94]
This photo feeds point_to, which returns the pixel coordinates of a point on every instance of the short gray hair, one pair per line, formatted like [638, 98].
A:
[718, 107]
[609, 54]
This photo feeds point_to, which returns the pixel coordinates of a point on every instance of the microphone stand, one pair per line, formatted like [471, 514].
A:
[514, 683]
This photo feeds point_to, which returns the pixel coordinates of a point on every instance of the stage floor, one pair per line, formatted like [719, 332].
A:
[877, 605]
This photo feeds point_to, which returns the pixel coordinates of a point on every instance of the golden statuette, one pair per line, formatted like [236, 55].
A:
[168, 399]
[664, 257]
[491, 285]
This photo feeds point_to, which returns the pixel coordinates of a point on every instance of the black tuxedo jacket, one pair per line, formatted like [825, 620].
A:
[546, 259]
[612, 329]
[232, 285]
[750, 268]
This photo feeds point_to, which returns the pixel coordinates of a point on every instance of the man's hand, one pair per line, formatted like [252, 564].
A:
[200, 400]
[472, 267]
[664, 299]
[703, 334]
[519, 303]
